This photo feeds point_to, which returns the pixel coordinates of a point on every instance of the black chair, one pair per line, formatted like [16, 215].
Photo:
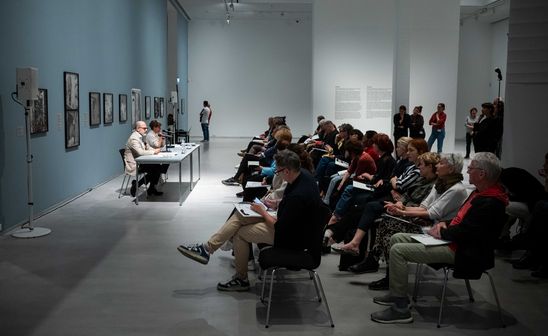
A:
[449, 267]
[273, 259]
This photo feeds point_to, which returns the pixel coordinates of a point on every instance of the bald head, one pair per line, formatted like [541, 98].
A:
[141, 127]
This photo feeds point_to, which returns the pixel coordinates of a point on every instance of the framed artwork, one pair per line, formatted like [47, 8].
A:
[94, 108]
[156, 107]
[72, 109]
[108, 107]
[122, 108]
[162, 107]
[72, 99]
[147, 107]
[39, 115]
[135, 105]
[72, 128]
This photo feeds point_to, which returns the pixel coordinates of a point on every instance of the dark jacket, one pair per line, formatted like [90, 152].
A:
[476, 236]
[296, 211]
[401, 129]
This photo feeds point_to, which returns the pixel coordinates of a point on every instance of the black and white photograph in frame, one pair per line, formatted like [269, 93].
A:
[72, 128]
[72, 109]
[156, 107]
[147, 107]
[135, 105]
[94, 109]
[122, 105]
[162, 107]
[108, 108]
[39, 115]
[72, 97]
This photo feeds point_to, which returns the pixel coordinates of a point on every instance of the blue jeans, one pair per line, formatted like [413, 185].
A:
[322, 166]
[436, 135]
[205, 130]
[344, 201]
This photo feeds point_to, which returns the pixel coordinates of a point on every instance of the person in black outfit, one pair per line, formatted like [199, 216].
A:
[402, 121]
[485, 130]
[537, 254]
[416, 124]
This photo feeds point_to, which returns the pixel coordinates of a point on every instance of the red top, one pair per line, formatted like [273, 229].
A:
[362, 164]
[439, 119]
[372, 153]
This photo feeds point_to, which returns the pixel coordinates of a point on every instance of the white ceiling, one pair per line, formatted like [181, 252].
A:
[249, 9]
[481, 10]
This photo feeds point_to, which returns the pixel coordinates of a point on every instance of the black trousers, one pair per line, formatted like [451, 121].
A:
[153, 172]
[469, 139]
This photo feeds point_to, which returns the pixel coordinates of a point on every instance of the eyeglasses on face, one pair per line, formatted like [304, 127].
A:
[279, 171]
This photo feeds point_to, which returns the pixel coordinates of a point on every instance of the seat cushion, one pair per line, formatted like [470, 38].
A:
[290, 259]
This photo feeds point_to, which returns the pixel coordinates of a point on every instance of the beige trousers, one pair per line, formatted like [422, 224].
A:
[242, 230]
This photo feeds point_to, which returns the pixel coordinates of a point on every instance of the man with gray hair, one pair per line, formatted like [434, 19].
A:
[135, 147]
[472, 233]
[290, 228]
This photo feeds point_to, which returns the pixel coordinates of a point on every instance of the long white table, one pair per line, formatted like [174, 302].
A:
[176, 155]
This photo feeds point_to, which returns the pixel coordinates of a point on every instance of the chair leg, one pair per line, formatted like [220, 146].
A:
[418, 275]
[311, 273]
[122, 187]
[270, 298]
[317, 277]
[446, 275]
[469, 288]
[496, 299]
[264, 285]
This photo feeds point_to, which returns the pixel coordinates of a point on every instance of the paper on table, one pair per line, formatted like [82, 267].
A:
[428, 240]
[168, 154]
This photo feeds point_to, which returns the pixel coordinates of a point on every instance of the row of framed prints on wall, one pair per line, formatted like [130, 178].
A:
[39, 117]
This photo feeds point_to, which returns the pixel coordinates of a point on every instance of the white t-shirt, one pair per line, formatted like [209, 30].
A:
[204, 115]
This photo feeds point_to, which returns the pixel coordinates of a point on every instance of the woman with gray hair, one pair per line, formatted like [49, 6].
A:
[441, 205]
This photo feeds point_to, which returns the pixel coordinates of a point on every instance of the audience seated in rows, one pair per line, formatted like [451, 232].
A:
[472, 233]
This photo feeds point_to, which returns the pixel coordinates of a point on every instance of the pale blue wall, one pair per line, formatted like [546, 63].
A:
[114, 45]
[182, 64]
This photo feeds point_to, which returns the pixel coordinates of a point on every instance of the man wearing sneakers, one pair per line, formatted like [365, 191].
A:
[299, 202]
[473, 234]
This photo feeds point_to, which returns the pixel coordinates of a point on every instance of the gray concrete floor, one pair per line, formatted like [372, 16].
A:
[111, 268]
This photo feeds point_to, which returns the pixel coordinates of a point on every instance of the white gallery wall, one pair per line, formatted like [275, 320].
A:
[525, 121]
[433, 53]
[353, 49]
[393, 45]
[482, 48]
[250, 70]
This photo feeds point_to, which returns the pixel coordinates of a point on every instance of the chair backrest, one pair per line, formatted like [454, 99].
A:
[322, 216]
[122, 151]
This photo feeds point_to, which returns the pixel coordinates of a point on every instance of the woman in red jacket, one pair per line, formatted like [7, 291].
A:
[437, 121]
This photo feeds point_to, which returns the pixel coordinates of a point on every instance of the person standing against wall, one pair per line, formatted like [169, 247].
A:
[402, 121]
[469, 124]
[205, 119]
[437, 121]
[416, 127]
